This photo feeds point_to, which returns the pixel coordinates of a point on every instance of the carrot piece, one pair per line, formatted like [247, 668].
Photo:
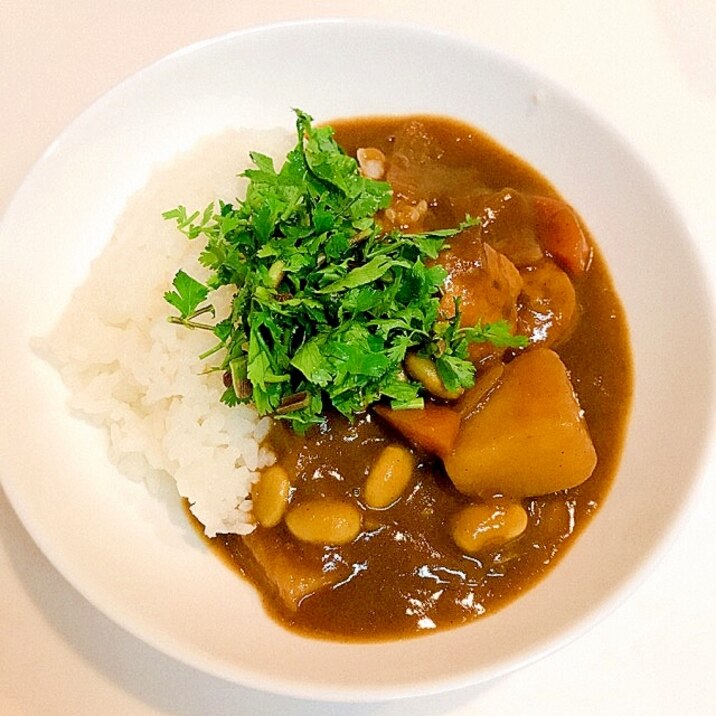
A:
[560, 234]
[433, 428]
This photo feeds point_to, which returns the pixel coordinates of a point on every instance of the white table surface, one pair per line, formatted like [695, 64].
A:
[650, 69]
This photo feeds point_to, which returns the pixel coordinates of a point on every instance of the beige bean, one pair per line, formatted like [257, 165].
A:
[423, 369]
[324, 522]
[388, 477]
[270, 496]
[488, 525]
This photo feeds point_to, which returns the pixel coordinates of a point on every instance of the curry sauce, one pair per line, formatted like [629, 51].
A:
[404, 574]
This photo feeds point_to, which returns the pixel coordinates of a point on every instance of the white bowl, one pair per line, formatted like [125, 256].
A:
[133, 556]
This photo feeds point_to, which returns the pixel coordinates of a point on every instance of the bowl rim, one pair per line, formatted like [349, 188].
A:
[591, 617]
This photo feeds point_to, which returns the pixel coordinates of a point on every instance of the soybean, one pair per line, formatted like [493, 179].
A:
[425, 371]
[388, 477]
[270, 496]
[488, 525]
[324, 522]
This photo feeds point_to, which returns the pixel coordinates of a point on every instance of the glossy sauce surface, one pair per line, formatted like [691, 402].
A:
[404, 575]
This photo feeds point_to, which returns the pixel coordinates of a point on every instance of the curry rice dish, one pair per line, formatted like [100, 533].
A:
[452, 511]
[482, 428]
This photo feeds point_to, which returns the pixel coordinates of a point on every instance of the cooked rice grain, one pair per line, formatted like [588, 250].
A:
[131, 371]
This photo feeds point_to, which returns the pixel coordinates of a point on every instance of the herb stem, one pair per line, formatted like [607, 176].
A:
[190, 324]
[211, 351]
[201, 311]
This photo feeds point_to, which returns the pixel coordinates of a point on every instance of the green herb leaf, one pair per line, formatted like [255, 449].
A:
[455, 372]
[187, 295]
[325, 304]
[368, 273]
[498, 333]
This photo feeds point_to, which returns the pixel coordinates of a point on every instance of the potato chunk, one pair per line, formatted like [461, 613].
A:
[529, 438]
[290, 568]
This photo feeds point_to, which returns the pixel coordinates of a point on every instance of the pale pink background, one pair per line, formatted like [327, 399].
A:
[650, 69]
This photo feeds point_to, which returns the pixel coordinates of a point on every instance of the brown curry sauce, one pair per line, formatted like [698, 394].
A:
[403, 575]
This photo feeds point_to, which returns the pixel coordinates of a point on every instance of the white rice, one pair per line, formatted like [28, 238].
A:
[131, 371]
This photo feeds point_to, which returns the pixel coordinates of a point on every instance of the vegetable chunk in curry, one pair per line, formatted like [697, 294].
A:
[403, 521]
